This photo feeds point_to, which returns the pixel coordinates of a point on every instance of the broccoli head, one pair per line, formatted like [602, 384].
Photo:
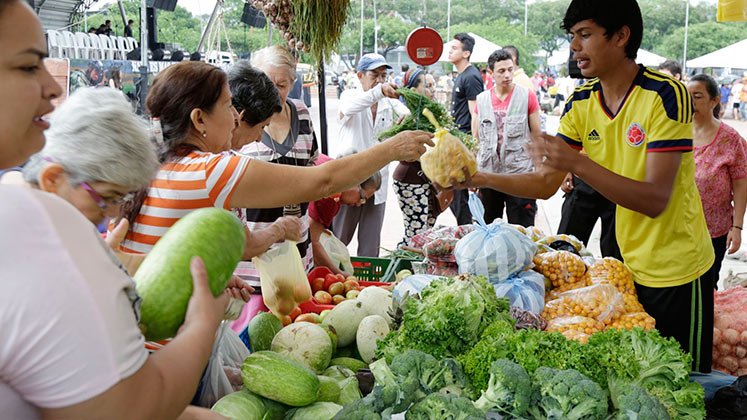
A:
[364, 409]
[509, 389]
[444, 407]
[568, 394]
[633, 402]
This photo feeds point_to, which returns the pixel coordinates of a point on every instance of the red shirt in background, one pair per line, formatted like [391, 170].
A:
[323, 211]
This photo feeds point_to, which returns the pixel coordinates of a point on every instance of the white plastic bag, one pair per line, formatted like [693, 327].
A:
[495, 251]
[337, 251]
[223, 373]
[282, 277]
[412, 285]
[525, 290]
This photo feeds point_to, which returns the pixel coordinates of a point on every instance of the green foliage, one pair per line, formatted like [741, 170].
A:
[504, 33]
[447, 320]
[567, 394]
[702, 38]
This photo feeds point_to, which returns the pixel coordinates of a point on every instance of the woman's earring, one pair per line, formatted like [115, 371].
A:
[204, 133]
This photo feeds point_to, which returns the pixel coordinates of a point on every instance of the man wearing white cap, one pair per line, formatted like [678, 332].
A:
[363, 114]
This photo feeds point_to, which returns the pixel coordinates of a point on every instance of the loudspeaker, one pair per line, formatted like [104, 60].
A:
[253, 17]
[157, 54]
[168, 5]
[195, 56]
[573, 70]
[134, 54]
[152, 22]
[177, 56]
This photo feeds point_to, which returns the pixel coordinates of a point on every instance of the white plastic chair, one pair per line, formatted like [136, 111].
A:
[70, 46]
[96, 52]
[131, 43]
[107, 47]
[84, 44]
[121, 47]
[54, 43]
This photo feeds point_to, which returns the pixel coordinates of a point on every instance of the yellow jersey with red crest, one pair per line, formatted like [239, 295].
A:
[656, 116]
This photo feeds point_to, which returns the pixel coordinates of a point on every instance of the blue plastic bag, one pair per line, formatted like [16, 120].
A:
[412, 285]
[525, 290]
[495, 251]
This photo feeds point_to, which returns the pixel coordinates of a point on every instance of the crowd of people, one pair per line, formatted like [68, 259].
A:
[236, 140]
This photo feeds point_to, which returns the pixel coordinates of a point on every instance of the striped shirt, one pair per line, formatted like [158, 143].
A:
[195, 181]
[300, 148]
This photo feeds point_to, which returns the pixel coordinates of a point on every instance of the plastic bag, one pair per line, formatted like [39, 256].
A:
[525, 290]
[612, 271]
[580, 324]
[283, 280]
[729, 402]
[579, 336]
[632, 320]
[602, 302]
[525, 319]
[532, 232]
[412, 285]
[562, 268]
[570, 239]
[446, 160]
[730, 331]
[422, 239]
[495, 251]
[337, 251]
[223, 373]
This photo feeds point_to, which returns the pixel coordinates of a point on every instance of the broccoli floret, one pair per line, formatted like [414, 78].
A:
[432, 375]
[509, 389]
[444, 407]
[364, 409]
[390, 390]
[568, 394]
[635, 403]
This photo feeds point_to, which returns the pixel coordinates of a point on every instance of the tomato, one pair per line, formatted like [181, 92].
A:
[337, 299]
[352, 278]
[295, 313]
[351, 284]
[323, 297]
[352, 294]
[340, 278]
[336, 289]
[317, 284]
[286, 320]
[310, 317]
[329, 279]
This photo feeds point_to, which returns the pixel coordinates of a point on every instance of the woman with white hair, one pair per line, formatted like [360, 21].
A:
[288, 139]
[98, 151]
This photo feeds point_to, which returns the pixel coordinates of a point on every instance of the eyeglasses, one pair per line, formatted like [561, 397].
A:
[102, 202]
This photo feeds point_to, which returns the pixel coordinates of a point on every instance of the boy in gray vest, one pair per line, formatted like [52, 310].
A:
[507, 116]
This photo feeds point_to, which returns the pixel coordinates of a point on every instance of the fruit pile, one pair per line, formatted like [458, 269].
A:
[335, 288]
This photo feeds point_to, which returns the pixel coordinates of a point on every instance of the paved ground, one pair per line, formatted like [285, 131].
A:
[549, 211]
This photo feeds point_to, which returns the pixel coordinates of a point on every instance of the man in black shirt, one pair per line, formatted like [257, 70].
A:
[128, 28]
[463, 101]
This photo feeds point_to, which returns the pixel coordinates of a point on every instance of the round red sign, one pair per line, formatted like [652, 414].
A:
[424, 46]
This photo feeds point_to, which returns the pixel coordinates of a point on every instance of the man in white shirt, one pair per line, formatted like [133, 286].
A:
[363, 114]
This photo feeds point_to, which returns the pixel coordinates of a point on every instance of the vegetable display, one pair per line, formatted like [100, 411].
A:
[279, 378]
[730, 331]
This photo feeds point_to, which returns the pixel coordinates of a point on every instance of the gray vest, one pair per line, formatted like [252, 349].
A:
[513, 157]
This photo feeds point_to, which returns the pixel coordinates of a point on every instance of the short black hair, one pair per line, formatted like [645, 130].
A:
[610, 15]
[498, 55]
[107, 21]
[468, 43]
[130, 21]
[513, 51]
[672, 66]
[252, 91]
[405, 67]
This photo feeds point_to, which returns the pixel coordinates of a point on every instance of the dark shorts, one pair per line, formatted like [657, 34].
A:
[686, 314]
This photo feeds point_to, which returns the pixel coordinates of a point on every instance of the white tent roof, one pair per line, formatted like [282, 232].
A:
[481, 52]
[734, 56]
[646, 58]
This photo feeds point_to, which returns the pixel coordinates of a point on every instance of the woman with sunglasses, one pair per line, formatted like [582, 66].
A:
[71, 344]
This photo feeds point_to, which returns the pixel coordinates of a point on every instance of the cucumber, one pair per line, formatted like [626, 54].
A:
[164, 280]
[348, 362]
[279, 378]
[329, 390]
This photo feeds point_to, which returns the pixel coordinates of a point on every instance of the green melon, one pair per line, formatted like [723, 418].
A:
[262, 329]
[164, 280]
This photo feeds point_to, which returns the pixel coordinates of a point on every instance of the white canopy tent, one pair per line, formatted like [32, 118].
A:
[734, 57]
[644, 57]
[481, 52]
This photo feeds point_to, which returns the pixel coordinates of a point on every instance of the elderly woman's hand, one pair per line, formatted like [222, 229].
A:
[409, 145]
[290, 228]
[239, 289]
[130, 261]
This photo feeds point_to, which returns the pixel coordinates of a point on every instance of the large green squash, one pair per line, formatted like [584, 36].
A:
[279, 378]
[164, 280]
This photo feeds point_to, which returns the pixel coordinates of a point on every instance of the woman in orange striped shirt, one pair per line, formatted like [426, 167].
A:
[193, 103]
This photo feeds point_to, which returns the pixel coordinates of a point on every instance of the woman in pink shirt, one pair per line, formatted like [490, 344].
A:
[720, 168]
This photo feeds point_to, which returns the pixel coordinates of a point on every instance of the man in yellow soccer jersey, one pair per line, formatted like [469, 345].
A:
[635, 125]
